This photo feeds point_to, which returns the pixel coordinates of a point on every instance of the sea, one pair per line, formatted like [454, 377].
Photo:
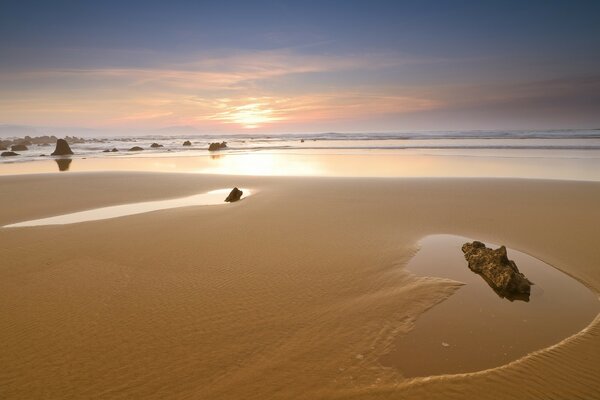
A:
[545, 154]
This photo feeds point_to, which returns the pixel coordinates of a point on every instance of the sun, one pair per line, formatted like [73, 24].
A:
[249, 116]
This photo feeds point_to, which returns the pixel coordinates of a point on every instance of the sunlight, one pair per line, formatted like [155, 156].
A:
[249, 116]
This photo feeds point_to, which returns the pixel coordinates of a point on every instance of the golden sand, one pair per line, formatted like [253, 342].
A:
[294, 292]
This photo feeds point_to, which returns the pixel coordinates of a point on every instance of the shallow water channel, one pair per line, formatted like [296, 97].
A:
[475, 328]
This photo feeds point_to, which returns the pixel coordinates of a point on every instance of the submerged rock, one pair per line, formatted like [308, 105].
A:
[62, 148]
[234, 195]
[217, 146]
[156, 145]
[494, 266]
[8, 154]
[136, 148]
[187, 143]
[18, 147]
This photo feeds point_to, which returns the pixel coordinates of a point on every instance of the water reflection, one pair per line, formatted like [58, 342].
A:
[63, 163]
[475, 329]
[209, 198]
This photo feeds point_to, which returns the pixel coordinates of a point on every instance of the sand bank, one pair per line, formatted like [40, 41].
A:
[295, 292]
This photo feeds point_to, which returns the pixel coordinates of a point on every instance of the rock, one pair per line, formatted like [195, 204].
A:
[217, 146]
[62, 148]
[234, 195]
[114, 150]
[494, 266]
[18, 147]
[156, 145]
[8, 154]
[106, 151]
[136, 148]
[187, 143]
[301, 140]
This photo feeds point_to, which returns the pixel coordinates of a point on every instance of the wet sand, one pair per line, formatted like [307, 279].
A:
[294, 292]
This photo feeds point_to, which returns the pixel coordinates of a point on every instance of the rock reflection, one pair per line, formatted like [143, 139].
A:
[63, 163]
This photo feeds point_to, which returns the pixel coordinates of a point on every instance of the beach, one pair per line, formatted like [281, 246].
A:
[294, 292]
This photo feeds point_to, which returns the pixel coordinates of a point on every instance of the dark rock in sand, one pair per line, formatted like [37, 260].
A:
[494, 266]
[18, 147]
[187, 143]
[62, 148]
[234, 195]
[156, 145]
[8, 154]
[136, 148]
[301, 140]
[217, 146]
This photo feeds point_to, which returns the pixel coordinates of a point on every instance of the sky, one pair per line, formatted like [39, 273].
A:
[302, 66]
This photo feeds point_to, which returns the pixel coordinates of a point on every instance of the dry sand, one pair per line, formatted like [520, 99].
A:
[294, 292]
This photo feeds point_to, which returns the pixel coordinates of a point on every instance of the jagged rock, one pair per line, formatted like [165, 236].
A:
[495, 267]
[18, 147]
[234, 195]
[217, 146]
[62, 148]
[156, 145]
[8, 154]
[187, 143]
[136, 148]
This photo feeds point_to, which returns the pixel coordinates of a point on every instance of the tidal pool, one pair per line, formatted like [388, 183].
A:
[209, 198]
[475, 328]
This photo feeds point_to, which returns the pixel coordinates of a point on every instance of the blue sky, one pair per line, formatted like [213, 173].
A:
[300, 66]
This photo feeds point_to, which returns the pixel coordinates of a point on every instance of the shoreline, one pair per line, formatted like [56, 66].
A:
[344, 277]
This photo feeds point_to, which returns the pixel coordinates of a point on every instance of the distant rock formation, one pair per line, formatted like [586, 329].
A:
[62, 148]
[136, 148]
[217, 146]
[156, 145]
[8, 154]
[499, 272]
[187, 143]
[18, 147]
[234, 195]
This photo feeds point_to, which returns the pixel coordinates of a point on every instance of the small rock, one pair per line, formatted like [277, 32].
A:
[156, 145]
[114, 150]
[18, 147]
[136, 148]
[8, 154]
[62, 148]
[234, 195]
[217, 146]
[106, 151]
[187, 143]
